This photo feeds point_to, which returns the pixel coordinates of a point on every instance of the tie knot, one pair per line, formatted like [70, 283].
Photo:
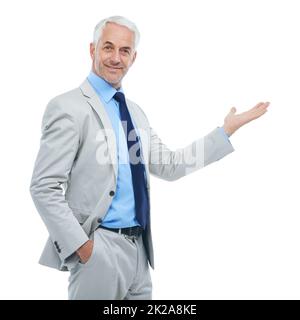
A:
[119, 96]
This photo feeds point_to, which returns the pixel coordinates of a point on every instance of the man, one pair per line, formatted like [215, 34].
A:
[90, 182]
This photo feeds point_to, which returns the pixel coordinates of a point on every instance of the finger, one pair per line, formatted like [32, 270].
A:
[259, 112]
[264, 106]
[258, 105]
[233, 110]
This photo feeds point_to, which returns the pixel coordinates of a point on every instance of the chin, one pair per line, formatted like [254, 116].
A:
[113, 81]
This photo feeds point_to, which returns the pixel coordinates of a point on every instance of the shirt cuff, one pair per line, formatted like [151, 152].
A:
[223, 132]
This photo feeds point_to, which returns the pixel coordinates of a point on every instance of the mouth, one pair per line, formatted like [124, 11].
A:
[113, 68]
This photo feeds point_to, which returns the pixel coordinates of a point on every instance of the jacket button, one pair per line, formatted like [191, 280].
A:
[99, 220]
[111, 193]
[58, 250]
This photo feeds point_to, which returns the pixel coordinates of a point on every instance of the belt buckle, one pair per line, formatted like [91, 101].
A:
[131, 232]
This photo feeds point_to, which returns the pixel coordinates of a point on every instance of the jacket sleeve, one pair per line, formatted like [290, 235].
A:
[58, 148]
[172, 165]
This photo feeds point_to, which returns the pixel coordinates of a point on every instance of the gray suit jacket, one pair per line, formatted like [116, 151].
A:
[76, 169]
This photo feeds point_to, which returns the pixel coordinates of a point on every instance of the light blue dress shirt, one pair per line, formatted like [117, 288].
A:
[224, 133]
[121, 213]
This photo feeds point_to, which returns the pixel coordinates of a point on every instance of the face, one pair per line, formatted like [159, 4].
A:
[114, 53]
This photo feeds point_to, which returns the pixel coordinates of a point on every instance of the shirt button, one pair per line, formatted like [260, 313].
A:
[111, 193]
[99, 220]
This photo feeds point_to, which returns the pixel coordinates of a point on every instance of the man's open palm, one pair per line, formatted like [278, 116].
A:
[234, 121]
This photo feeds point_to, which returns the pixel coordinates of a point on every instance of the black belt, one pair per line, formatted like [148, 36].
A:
[135, 231]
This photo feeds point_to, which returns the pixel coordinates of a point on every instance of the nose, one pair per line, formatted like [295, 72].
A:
[115, 57]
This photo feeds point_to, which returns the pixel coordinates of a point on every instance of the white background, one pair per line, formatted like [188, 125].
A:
[229, 231]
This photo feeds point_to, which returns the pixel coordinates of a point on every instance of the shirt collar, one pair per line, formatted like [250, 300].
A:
[102, 87]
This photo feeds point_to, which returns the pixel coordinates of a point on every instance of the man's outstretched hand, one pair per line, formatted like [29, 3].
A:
[233, 121]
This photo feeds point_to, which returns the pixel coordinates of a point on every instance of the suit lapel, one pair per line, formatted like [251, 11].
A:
[96, 104]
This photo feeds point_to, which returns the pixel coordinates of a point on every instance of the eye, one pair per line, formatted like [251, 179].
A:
[127, 51]
[107, 48]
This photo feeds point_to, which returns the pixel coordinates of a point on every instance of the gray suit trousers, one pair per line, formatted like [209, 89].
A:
[117, 269]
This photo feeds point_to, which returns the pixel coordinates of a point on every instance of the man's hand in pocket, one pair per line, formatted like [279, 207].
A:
[85, 251]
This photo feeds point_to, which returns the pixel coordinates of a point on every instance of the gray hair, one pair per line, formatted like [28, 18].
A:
[122, 21]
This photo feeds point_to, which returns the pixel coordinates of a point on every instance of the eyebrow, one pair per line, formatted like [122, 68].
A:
[108, 42]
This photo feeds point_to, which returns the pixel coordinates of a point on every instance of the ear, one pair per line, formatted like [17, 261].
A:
[92, 50]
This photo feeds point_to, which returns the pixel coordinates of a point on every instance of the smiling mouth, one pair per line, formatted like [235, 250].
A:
[113, 68]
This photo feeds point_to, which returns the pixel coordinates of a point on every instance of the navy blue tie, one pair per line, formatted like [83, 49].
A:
[137, 166]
